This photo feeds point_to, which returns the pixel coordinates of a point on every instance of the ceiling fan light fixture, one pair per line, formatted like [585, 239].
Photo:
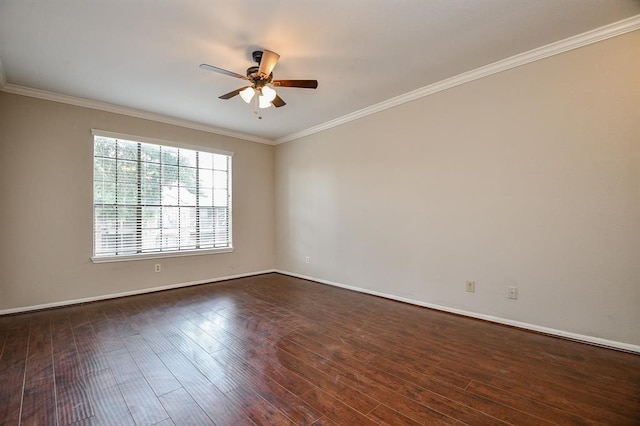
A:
[263, 102]
[247, 94]
[268, 93]
[265, 95]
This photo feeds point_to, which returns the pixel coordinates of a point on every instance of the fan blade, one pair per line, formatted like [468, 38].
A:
[304, 84]
[232, 94]
[268, 61]
[222, 71]
[278, 102]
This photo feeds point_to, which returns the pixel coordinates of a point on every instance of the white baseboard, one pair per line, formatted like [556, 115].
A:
[128, 293]
[612, 344]
[627, 347]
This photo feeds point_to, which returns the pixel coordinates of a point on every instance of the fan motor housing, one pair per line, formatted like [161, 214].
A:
[252, 73]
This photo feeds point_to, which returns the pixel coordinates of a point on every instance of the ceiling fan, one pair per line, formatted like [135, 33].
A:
[261, 81]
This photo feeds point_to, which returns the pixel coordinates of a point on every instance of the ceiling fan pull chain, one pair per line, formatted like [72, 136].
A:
[256, 109]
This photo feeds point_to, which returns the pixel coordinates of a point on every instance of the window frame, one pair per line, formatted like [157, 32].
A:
[168, 253]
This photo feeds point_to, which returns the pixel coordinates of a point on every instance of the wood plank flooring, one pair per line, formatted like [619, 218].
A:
[277, 350]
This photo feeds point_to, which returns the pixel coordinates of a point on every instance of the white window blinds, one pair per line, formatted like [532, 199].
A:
[155, 199]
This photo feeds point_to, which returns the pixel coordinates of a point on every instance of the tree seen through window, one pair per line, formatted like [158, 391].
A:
[155, 198]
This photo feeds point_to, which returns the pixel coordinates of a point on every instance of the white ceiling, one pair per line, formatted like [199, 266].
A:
[144, 54]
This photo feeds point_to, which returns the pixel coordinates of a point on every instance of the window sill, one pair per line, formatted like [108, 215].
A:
[143, 256]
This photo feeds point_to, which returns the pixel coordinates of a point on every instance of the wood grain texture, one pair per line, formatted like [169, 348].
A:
[273, 349]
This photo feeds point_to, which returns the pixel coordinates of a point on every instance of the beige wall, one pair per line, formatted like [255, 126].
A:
[46, 243]
[527, 178]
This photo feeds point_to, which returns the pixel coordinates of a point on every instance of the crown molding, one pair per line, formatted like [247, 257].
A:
[599, 34]
[575, 42]
[131, 112]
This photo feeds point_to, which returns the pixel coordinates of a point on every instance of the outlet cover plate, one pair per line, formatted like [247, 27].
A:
[471, 286]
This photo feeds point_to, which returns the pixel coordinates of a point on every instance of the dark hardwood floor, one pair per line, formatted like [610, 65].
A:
[274, 350]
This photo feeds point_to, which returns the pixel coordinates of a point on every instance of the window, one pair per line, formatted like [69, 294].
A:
[153, 200]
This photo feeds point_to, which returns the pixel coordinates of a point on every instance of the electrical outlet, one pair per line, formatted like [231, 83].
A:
[512, 293]
[471, 286]
[158, 268]
[306, 259]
